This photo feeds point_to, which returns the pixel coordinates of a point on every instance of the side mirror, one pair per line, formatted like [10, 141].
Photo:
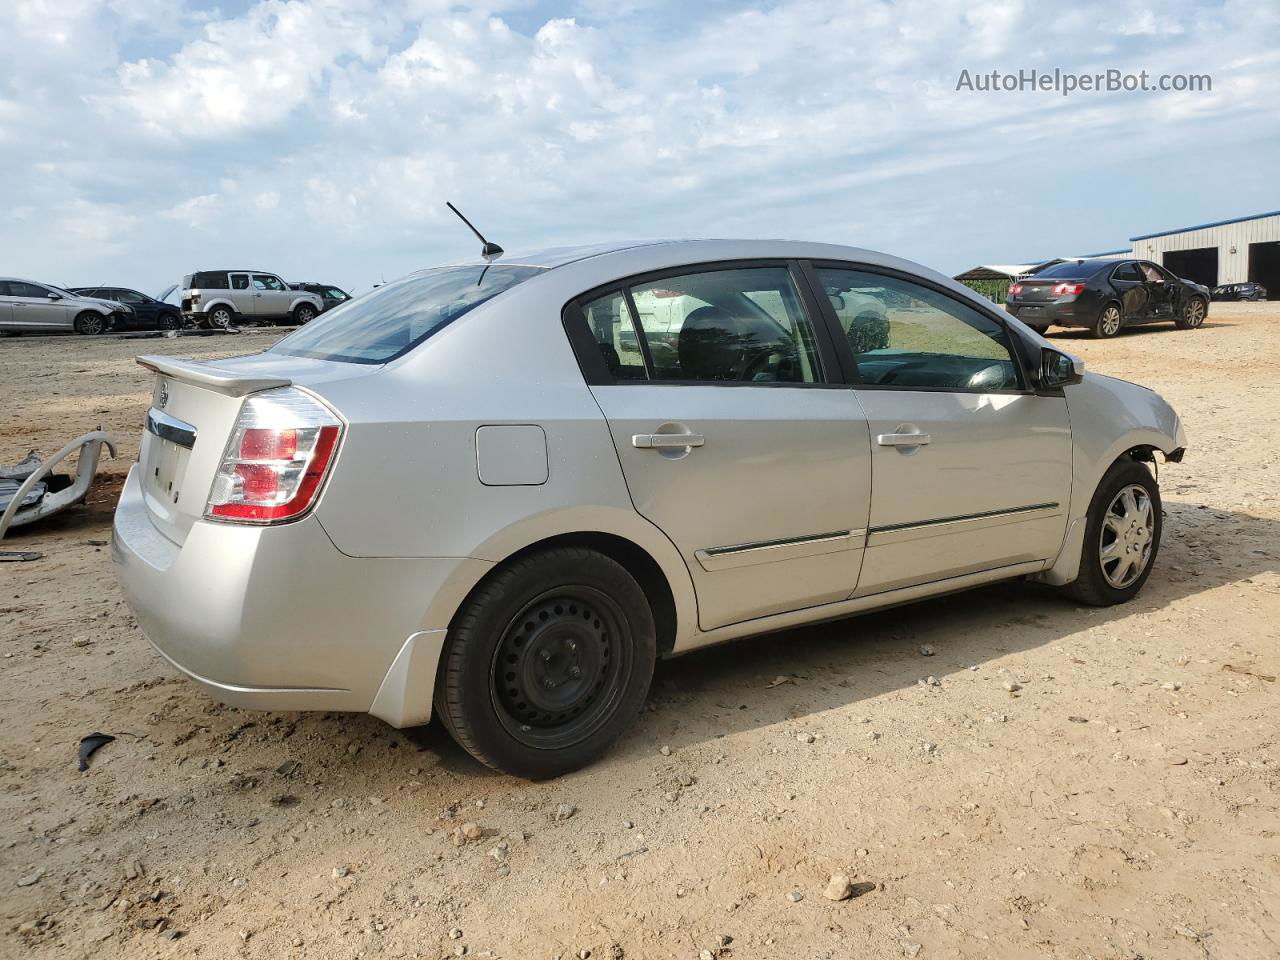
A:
[1058, 369]
[55, 296]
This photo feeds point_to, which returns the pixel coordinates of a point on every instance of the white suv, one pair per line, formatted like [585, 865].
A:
[217, 298]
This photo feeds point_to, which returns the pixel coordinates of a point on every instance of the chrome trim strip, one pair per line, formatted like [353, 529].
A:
[900, 532]
[768, 551]
[171, 428]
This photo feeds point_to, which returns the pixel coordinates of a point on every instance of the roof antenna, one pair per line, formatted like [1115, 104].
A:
[490, 251]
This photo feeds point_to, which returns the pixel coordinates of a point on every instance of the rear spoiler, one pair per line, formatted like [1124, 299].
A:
[212, 378]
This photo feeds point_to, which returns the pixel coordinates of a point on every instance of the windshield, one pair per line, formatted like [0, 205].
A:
[395, 318]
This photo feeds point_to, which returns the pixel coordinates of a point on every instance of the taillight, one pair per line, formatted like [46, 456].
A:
[1068, 289]
[276, 460]
[1015, 289]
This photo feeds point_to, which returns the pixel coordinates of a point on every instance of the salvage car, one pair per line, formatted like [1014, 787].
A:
[1104, 296]
[146, 313]
[221, 298]
[499, 490]
[330, 296]
[27, 306]
[1240, 291]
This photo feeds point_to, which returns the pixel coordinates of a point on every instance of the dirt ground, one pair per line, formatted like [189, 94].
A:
[1123, 803]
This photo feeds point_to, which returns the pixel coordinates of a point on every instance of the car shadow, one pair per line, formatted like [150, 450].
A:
[784, 676]
[1141, 329]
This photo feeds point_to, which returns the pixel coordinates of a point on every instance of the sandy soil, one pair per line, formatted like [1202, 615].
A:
[1123, 803]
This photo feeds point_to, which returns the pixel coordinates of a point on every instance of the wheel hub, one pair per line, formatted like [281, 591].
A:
[1127, 534]
[553, 661]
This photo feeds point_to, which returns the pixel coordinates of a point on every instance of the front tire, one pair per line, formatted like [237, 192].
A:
[91, 324]
[1193, 314]
[547, 663]
[1121, 536]
[304, 314]
[1108, 323]
[170, 321]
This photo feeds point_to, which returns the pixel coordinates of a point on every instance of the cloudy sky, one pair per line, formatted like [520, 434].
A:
[140, 139]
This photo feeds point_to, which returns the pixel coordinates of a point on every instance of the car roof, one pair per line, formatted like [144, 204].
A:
[693, 251]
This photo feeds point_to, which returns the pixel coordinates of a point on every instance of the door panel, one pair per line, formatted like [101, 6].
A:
[1131, 287]
[969, 471]
[33, 309]
[243, 295]
[769, 511]
[990, 488]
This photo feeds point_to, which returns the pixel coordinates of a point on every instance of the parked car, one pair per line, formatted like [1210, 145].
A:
[217, 298]
[330, 296]
[29, 306]
[148, 313]
[1240, 291]
[480, 491]
[1105, 296]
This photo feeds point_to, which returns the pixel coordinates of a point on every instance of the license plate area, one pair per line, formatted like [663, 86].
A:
[166, 466]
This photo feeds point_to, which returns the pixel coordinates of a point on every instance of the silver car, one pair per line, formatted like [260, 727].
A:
[497, 491]
[30, 307]
[219, 298]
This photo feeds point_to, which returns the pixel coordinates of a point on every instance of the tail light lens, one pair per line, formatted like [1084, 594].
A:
[1015, 289]
[277, 458]
[1068, 289]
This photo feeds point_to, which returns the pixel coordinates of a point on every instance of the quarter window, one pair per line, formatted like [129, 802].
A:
[611, 326]
[906, 335]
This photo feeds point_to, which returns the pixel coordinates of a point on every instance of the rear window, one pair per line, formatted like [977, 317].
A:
[209, 280]
[1068, 269]
[393, 319]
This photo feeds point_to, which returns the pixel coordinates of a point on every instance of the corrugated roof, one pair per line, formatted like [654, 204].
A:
[1205, 226]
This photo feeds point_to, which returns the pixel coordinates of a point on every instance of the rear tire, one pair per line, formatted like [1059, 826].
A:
[547, 663]
[91, 324]
[1116, 557]
[1108, 323]
[219, 318]
[1193, 314]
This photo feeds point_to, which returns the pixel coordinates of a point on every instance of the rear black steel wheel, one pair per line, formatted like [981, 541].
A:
[547, 663]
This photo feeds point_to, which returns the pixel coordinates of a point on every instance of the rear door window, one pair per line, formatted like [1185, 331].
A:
[1127, 272]
[393, 319]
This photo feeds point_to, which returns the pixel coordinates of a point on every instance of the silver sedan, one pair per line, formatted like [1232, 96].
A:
[30, 307]
[497, 491]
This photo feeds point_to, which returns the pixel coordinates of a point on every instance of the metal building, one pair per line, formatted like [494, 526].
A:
[1228, 251]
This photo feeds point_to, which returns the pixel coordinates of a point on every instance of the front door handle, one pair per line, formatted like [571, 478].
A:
[657, 441]
[903, 439]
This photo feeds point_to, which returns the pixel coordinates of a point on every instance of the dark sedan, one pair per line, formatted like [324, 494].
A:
[1105, 295]
[148, 312]
[1240, 291]
[331, 295]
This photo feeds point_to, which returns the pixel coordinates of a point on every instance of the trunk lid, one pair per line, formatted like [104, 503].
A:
[194, 406]
[1039, 291]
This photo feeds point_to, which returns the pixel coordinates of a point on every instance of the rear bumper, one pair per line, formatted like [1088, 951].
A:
[278, 618]
[1071, 313]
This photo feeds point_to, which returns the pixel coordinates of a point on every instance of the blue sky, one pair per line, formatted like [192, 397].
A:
[140, 139]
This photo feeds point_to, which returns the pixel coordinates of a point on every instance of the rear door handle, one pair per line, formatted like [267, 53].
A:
[655, 441]
[903, 439]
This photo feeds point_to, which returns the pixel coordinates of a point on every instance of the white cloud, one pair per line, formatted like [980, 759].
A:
[349, 122]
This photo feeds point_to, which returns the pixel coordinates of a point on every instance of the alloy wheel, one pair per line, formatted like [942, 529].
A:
[1193, 313]
[1127, 536]
[1110, 322]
